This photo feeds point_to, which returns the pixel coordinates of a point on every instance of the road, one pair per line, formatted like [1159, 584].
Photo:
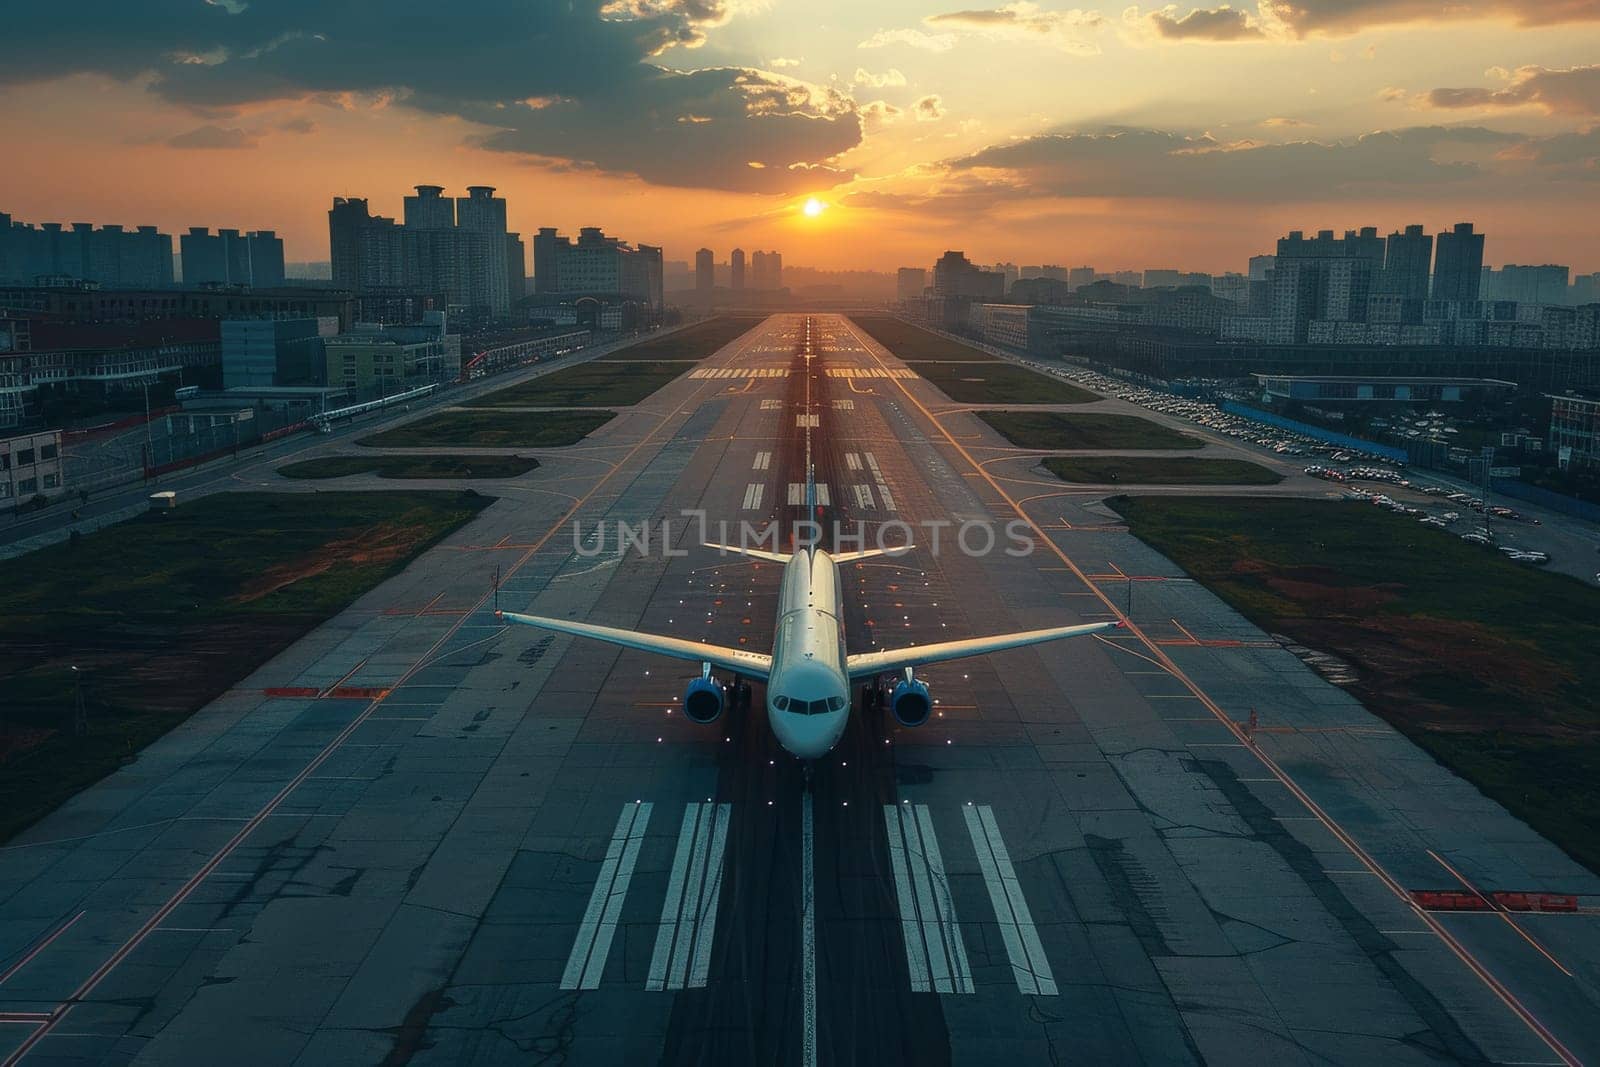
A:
[485, 846]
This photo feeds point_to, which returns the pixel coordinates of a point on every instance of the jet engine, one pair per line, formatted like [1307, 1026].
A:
[702, 701]
[911, 702]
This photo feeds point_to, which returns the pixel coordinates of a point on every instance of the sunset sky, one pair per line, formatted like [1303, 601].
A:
[1122, 137]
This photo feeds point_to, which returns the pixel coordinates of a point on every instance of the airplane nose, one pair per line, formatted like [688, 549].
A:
[809, 736]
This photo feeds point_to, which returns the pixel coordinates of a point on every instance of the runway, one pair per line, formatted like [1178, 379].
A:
[469, 846]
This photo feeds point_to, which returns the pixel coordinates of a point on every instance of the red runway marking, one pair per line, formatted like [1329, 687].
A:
[291, 691]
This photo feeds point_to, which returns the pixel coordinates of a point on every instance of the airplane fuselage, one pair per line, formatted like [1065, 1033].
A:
[808, 690]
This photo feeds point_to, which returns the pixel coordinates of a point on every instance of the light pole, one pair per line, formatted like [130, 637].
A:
[149, 437]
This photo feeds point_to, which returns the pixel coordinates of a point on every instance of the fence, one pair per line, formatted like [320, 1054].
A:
[1317, 433]
[1532, 494]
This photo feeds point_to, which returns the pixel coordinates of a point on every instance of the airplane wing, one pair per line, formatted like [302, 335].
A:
[869, 663]
[749, 664]
[871, 553]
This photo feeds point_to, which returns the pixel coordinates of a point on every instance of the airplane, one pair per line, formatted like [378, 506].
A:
[810, 672]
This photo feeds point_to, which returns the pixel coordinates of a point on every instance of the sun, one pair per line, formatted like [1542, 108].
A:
[814, 207]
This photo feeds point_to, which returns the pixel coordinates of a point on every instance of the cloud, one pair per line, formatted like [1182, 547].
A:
[1566, 91]
[1223, 24]
[929, 108]
[214, 137]
[1282, 123]
[878, 114]
[783, 63]
[1025, 22]
[928, 42]
[299, 124]
[890, 78]
[576, 83]
[1302, 18]
[1158, 163]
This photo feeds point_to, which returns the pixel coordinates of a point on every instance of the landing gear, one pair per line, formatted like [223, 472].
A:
[740, 692]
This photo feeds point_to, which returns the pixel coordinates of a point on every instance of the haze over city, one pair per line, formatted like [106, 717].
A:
[1123, 136]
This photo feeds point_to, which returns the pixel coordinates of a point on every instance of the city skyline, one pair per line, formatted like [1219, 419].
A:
[1129, 137]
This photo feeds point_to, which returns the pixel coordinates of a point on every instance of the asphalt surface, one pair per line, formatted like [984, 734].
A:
[512, 850]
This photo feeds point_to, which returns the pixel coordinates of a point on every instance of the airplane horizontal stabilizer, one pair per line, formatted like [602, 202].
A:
[753, 553]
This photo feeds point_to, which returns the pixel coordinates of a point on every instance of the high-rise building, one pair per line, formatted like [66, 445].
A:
[1295, 285]
[736, 270]
[469, 263]
[774, 270]
[229, 257]
[1407, 259]
[1133, 279]
[597, 265]
[1346, 284]
[109, 256]
[1546, 284]
[705, 270]
[910, 282]
[1259, 266]
[956, 276]
[1078, 277]
[1585, 289]
[480, 211]
[759, 270]
[545, 243]
[430, 209]
[1457, 264]
[1162, 279]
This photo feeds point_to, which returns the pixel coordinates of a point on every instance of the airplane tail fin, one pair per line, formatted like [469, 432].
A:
[753, 553]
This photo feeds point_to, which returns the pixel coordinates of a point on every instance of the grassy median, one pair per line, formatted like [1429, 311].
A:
[694, 342]
[165, 612]
[1050, 429]
[411, 466]
[493, 429]
[591, 384]
[913, 343]
[1159, 470]
[1487, 664]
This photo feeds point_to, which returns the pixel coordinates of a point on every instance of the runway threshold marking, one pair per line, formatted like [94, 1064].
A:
[1345, 838]
[593, 944]
[1021, 937]
[935, 954]
[762, 462]
[752, 496]
[682, 956]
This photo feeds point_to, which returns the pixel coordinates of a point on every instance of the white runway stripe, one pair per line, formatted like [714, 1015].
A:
[1021, 936]
[863, 495]
[888, 501]
[752, 496]
[682, 957]
[844, 404]
[935, 954]
[811, 421]
[771, 404]
[588, 959]
[762, 461]
[797, 494]
[852, 460]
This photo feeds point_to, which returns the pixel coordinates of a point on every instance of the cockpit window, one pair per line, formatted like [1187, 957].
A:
[808, 707]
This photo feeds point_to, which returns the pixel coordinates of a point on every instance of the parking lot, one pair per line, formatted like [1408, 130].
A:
[1524, 533]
